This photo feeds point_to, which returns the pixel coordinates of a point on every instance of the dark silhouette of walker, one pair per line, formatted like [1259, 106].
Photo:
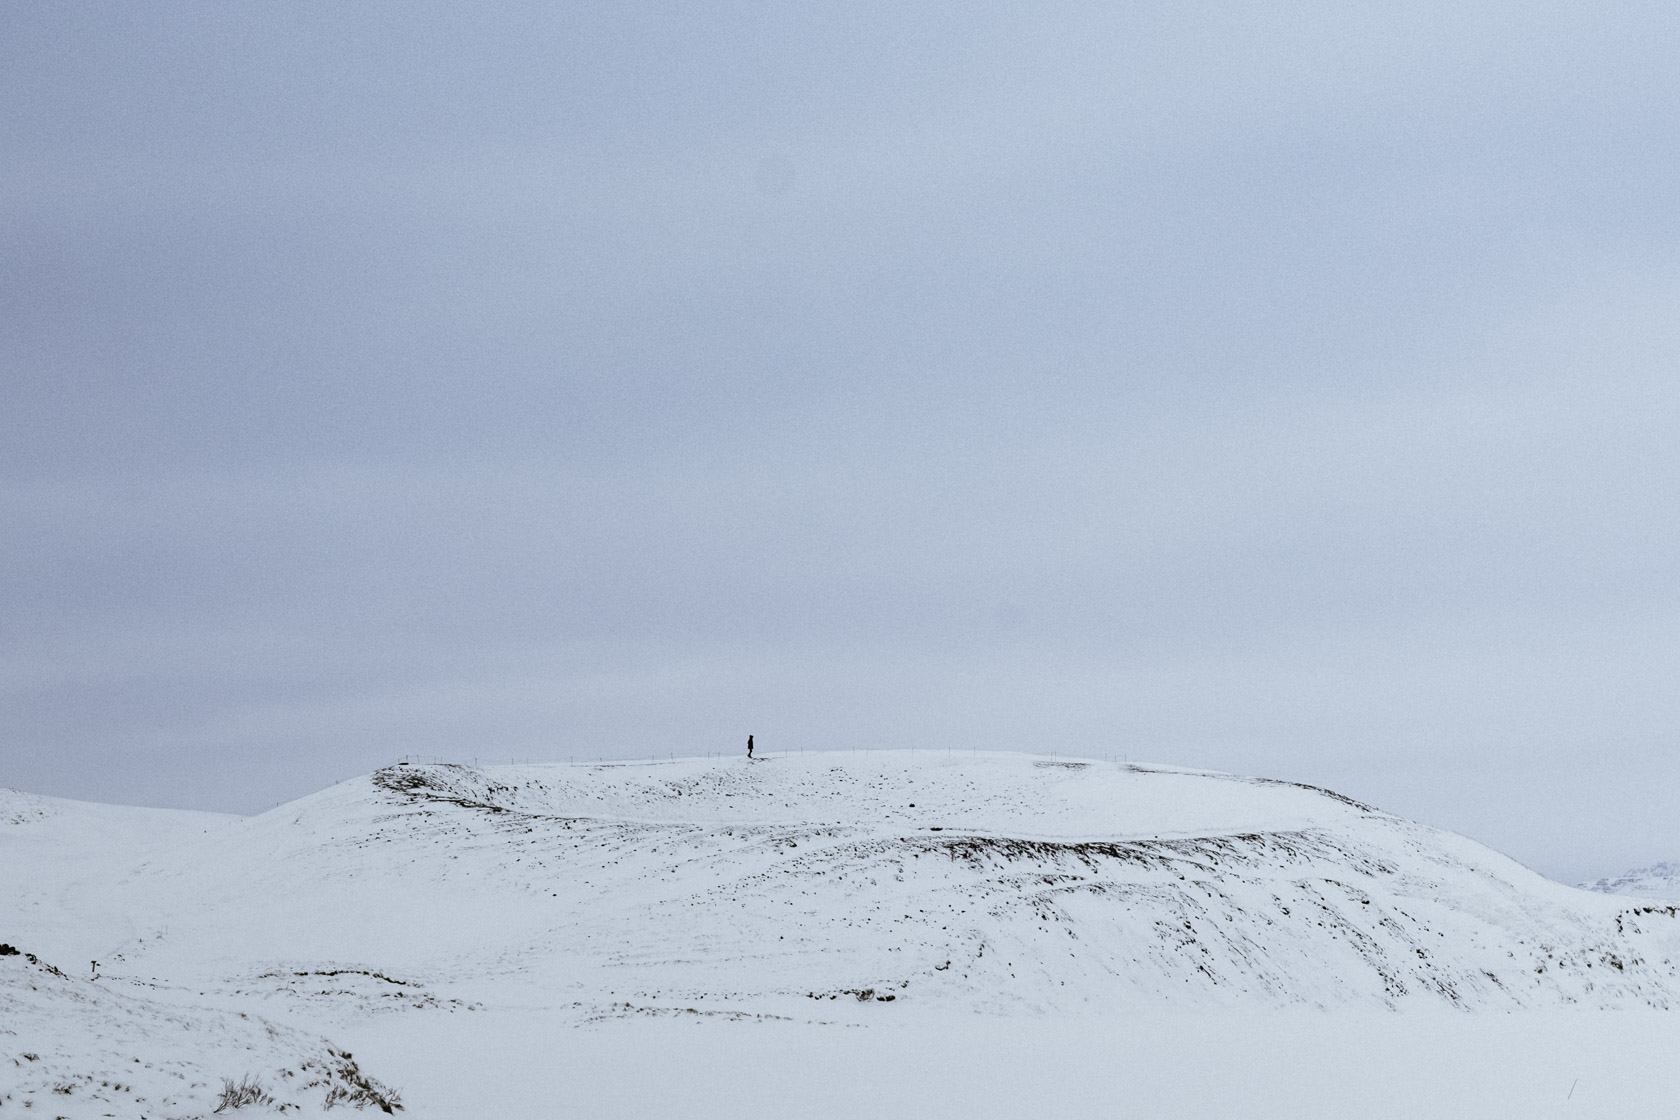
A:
[749, 746]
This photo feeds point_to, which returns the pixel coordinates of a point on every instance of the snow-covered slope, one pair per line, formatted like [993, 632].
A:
[1660, 880]
[72, 1044]
[77, 1047]
[842, 887]
[62, 861]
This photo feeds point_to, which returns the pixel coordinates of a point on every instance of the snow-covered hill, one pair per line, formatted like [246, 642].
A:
[806, 885]
[827, 888]
[1005, 882]
[1660, 880]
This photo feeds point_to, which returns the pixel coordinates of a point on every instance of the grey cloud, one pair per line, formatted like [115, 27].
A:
[1283, 391]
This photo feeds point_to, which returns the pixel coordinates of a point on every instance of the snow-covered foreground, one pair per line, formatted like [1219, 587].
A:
[1230, 1065]
[907, 934]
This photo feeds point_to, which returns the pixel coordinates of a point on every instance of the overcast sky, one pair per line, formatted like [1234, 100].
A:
[1286, 389]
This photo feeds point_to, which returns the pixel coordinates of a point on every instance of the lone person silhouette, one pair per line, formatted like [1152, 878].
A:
[749, 746]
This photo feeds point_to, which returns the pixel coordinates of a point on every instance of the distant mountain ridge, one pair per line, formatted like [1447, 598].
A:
[1660, 880]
